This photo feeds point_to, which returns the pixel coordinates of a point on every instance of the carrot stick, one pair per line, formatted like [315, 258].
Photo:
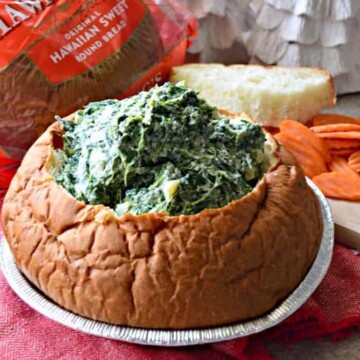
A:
[354, 161]
[310, 160]
[340, 135]
[339, 164]
[335, 128]
[356, 155]
[342, 152]
[305, 137]
[327, 119]
[339, 185]
[342, 143]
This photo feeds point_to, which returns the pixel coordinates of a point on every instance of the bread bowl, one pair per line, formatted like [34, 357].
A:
[154, 269]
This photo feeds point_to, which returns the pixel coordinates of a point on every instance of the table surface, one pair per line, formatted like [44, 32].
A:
[348, 349]
[347, 105]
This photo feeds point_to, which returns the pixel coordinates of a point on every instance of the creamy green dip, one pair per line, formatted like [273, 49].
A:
[163, 151]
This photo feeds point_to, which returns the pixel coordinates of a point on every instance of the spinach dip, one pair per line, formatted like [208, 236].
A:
[165, 150]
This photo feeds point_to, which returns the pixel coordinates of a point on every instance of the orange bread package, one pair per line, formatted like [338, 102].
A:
[57, 55]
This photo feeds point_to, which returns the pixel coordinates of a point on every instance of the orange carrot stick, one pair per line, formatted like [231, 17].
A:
[335, 128]
[341, 152]
[306, 137]
[356, 155]
[339, 185]
[339, 164]
[303, 159]
[310, 160]
[342, 143]
[326, 119]
[340, 135]
[354, 161]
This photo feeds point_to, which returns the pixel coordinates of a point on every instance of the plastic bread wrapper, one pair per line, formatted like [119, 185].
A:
[58, 55]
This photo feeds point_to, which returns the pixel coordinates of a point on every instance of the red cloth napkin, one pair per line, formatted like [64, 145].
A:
[334, 310]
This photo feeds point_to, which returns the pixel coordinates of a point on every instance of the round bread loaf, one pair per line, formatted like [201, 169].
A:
[154, 271]
[29, 101]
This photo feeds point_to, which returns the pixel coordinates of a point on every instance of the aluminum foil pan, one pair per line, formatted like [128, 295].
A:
[43, 305]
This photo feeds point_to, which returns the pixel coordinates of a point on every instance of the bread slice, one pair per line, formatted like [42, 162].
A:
[268, 94]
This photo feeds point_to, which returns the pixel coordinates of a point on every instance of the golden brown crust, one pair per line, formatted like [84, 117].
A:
[153, 271]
